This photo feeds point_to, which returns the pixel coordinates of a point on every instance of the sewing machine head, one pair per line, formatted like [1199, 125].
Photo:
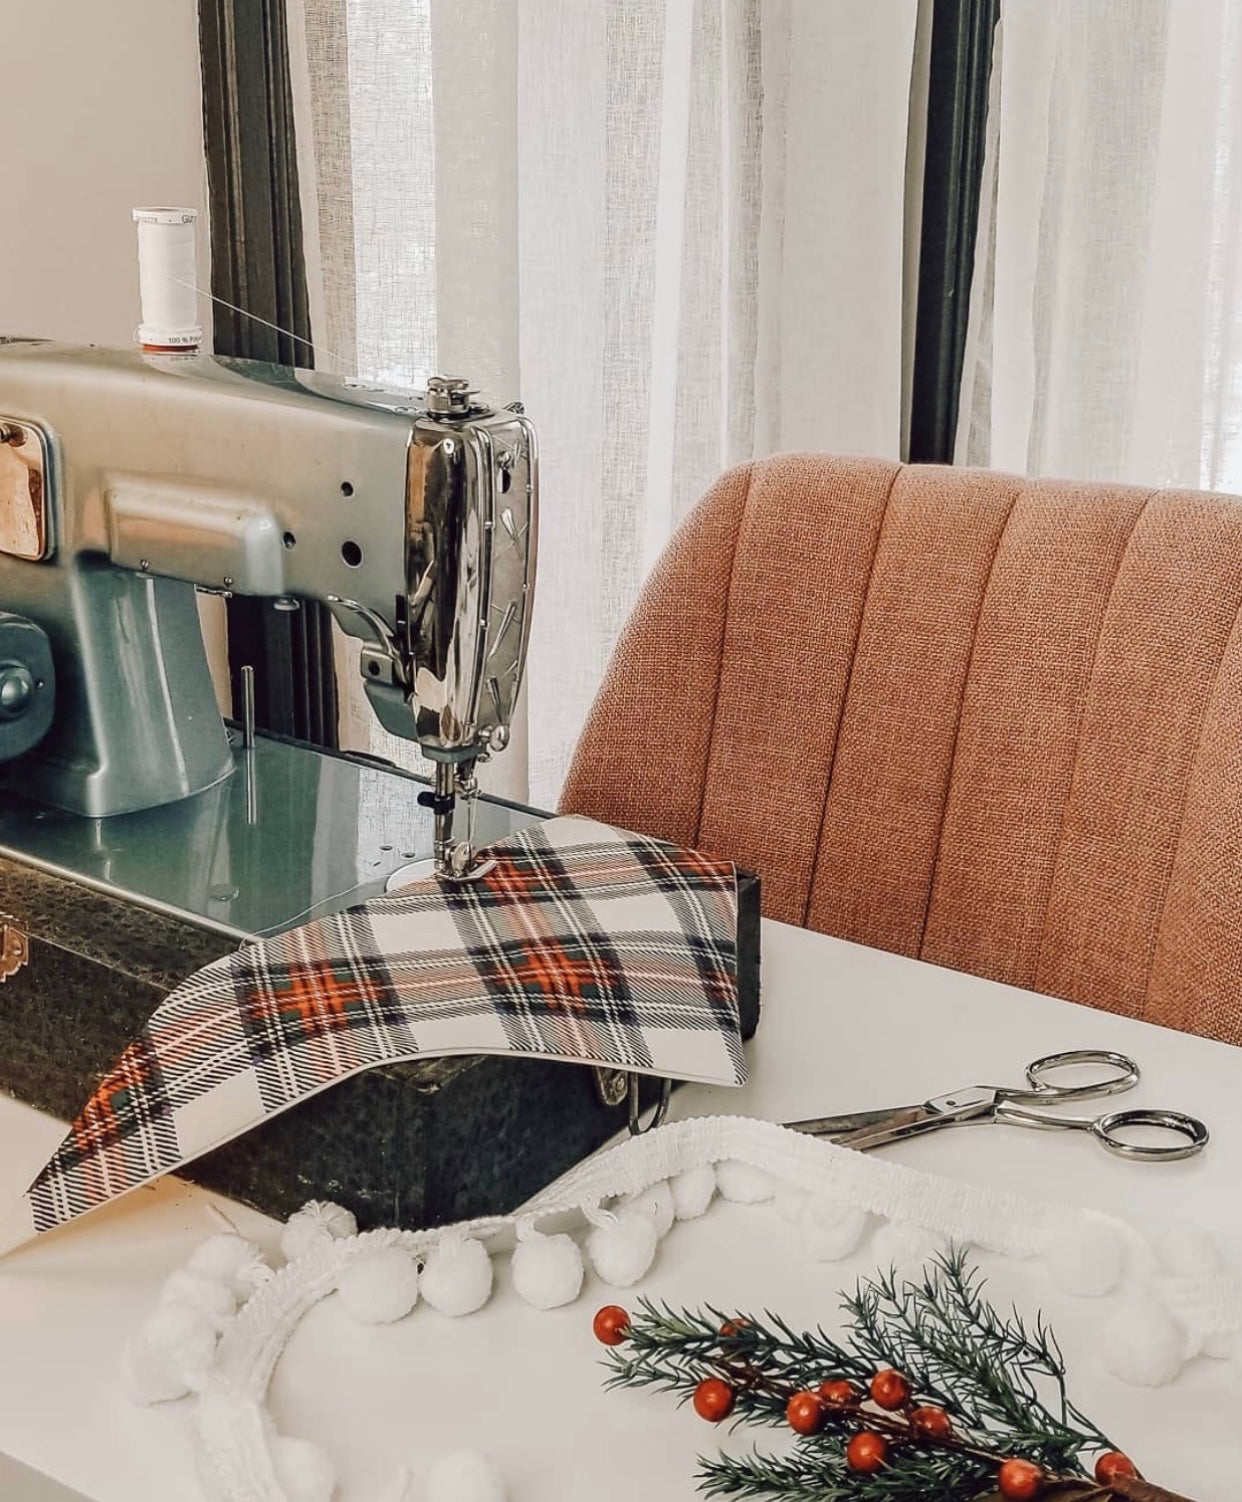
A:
[128, 480]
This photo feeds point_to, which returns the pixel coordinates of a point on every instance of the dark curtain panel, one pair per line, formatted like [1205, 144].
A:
[959, 72]
[257, 266]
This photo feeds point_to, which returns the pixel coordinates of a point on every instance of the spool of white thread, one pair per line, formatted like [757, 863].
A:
[166, 273]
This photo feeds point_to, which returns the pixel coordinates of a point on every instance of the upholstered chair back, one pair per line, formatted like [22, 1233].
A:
[991, 722]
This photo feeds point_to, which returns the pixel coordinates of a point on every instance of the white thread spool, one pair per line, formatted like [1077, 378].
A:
[166, 273]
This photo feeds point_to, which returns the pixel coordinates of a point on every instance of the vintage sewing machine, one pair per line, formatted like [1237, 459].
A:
[140, 837]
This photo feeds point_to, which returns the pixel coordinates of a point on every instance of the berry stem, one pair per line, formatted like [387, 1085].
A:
[1124, 1489]
[745, 1377]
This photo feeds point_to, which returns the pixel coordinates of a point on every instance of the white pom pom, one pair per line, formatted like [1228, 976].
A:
[465, 1476]
[1189, 1252]
[656, 1202]
[692, 1191]
[1086, 1259]
[170, 1355]
[147, 1376]
[457, 1276]
[900, 1244]
[623, 1251]
[231, 1259]
[1221, 1345]
[379, 1285]
[743, 1184]
[790, 1204]
[186, 1336]
[210, 1296]
[303, 1471]
[547, 1270]
[316, 1223]
[1143, 1344]
[831, 1229]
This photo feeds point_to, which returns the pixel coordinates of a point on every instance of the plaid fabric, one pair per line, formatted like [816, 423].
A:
[583, 943]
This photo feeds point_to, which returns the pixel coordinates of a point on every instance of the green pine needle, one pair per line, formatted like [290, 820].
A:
[1001, 1380]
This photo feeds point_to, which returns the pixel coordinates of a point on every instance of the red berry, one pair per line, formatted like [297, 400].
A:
[1019, 1481]
[733, 1327]
[1113, 1466]
[839, 1393]
[805, 1413]
[611, 1325]
[866, 1452]
[890, 1389]
[713, 1399]
[931, 1422]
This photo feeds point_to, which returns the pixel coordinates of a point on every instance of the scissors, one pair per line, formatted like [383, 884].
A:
[1115, 1074]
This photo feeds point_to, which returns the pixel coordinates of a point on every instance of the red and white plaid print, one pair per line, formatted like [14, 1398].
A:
[583, 943]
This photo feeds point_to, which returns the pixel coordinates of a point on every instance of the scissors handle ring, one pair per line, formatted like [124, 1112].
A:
[1043, 1090]
[1105, 1130]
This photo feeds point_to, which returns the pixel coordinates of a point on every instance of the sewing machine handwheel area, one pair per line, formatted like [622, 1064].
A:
[27, 685]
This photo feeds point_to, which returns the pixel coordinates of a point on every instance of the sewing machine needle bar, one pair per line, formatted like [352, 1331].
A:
[247, 679]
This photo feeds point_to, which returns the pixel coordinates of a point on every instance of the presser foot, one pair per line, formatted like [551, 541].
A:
[455, 860]
[460, 864]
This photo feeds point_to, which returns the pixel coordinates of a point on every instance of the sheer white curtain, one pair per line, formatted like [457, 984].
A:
[1106, 319]
[673, 227]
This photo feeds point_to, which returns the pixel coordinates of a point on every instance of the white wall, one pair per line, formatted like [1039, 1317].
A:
[100, 111]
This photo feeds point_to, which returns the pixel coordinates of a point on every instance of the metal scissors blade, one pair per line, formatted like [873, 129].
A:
[866, 1129]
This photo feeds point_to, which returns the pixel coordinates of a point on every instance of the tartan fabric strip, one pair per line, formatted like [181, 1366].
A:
[583, 943]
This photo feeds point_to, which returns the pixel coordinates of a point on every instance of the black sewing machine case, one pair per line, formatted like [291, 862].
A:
[103, 917]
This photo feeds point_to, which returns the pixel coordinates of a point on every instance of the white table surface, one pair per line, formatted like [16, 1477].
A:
[844, 1028]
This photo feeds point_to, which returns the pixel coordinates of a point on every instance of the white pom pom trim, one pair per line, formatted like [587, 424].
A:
[848, 1188]
[744, 1184]
[211, 1297]
[233, 1260]
[457, 1277]
[465, 1476]
[380, 1285]
[830, 1228]
[547, 1271]
[658, 1203]
[318, 1221]
[1144, 1344]
[304, 1471]
[693, 1191]
[170, 1355]
[623, 1248]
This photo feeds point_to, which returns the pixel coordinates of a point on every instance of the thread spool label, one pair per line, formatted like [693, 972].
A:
[167, 278]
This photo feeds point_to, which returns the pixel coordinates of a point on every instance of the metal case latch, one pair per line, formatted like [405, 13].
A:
[14, 947]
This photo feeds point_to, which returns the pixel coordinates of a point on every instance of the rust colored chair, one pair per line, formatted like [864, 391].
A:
[991, 722]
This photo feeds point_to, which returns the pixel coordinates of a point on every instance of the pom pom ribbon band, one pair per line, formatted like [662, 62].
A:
[233, 1427]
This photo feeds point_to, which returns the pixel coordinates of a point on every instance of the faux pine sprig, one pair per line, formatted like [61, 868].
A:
[930, 1394]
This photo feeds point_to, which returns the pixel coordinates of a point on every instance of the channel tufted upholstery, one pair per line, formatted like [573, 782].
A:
[992, 722]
